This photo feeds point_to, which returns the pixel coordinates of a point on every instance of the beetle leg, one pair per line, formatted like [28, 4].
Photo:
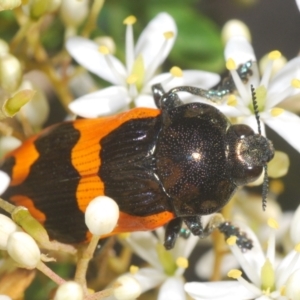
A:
[158, 92]
[171, 233]
[194, 224]
[165, 100]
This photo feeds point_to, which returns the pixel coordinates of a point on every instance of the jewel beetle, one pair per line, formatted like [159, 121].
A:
[162, 166]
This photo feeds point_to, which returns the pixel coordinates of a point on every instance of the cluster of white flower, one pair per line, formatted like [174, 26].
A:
[269, 277]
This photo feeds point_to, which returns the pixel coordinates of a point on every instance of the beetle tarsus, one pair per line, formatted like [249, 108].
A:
[194, 224]
[172, 230]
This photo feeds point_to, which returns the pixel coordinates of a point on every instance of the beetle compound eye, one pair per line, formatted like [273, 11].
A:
[242, 130]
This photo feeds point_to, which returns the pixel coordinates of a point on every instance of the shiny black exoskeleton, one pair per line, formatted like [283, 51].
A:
[201, 158]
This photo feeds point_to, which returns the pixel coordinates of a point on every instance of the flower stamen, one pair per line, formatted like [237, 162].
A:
[295, 83]
[272, 56]
[237, 274]
[182, 262]
[176, 72]
[251, 273]
[232, 101]
[231, 66]
[133, 269]
[105, 51]
[168, 35]
[129, 44]
[276, 111]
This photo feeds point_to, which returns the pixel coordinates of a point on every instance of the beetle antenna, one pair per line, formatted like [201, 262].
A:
[265, 187]
[255, 107]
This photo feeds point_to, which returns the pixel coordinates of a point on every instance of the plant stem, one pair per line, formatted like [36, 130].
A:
[48, 272]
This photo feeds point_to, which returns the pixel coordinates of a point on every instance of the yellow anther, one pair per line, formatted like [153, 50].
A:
[103, 50]
[168, 34]
[129, 20]
[276, 186]
[297, 247]
[295, 83]
[133, 269]
[182, 262]
[276, 111]
[230, 64]
[231, 240]
[132, 79]
[273, 223]
[274, 54]
[232, 101]
[282, 290]
[124, 235]
[176, 72]
[234, 273]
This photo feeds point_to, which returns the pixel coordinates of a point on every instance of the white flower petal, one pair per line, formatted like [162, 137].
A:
[152, 38]
[298, 4]
[207, 259]
[222, 290]
[145, 101]
[284, 77]
[149, 278]
[232, 111]
[252, 122]
[201, 79]
[287, 266]
[173, 289]
[87, 54]
[103, 102]
[239, 49]
[274, 98]
[287, 125]
[144, 245]
[292, 289]
[295, 227]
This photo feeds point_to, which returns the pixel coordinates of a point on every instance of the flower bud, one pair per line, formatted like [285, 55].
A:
[54, 6]
[36, 111]
[4, 297]
[235, 28]
[7, 144]
[4, 182]
[69, 291]
[7, 226]
[129, 289]
[101, 215]
[10, 73]
[23, 249]
[37, 8]
[279, 165]
[9, 4]
[13, 104]
[4, 48]
[73, 12]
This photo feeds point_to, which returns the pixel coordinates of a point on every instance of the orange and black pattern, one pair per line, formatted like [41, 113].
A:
[57, 173]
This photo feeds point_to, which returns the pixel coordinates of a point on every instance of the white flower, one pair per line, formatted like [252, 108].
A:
[268, 279]
[166, 267]
[269, 91]
[132, 81]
